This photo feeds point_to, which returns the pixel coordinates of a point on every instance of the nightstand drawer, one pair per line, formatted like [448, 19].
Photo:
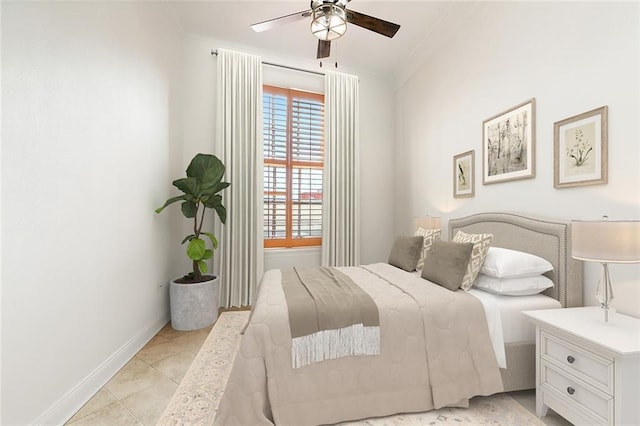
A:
[586, 365]
[597, 404]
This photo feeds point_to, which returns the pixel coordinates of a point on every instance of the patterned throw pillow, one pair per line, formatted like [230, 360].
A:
[430, 235]
[481, 244]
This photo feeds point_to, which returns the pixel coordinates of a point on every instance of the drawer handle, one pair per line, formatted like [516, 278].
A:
[571, 390]
[571, 359]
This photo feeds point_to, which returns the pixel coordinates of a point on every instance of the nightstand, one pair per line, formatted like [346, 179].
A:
[588, 371]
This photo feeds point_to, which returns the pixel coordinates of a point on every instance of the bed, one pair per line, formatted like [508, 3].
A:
[428, 357]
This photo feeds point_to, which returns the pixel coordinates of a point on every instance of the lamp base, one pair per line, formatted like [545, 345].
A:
[604, 292]
[609, 313]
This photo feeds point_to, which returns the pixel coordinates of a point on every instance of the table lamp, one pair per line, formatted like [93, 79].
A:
[427, 222]
[606, 242]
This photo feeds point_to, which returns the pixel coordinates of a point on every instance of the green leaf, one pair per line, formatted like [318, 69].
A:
[213, 201]
[170, 201]
[208, 254]
[214, 240]
[213, 175]
[189, 209]
[196, 249]
[222, 212]
[221, 186]
[187, 185]
[215, 188]
[206, 168]
[188, 238]
[202, 265]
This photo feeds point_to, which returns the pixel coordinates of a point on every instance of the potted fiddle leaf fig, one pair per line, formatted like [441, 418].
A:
[194, 297]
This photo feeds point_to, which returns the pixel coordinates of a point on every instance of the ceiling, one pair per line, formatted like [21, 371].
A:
[229, 22]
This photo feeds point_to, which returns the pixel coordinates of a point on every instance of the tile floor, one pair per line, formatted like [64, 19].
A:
[140, 391]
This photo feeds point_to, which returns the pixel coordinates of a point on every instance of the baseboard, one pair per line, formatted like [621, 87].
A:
[63, 409]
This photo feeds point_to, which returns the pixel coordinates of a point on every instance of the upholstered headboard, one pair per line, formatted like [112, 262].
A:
[544, 237]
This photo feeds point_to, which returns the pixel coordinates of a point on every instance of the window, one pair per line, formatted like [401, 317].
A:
[293, 136]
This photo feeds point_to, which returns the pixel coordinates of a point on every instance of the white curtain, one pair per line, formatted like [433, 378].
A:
[239, 259]
[341, 180]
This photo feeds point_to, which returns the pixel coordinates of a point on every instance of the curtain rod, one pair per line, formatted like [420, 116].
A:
[215, 52]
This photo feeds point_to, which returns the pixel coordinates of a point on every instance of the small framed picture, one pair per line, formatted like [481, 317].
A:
[508, 144]
[463, 174]
[580, 149]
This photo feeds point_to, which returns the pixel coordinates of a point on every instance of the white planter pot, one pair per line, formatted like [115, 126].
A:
[194, 306]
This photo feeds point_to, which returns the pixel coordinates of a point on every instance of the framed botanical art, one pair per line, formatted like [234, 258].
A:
[463, 174]
[508, 144]
[580, 149]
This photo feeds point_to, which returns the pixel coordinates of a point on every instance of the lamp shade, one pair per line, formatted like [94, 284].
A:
[426, 222]
[329, 22]
[606, 241]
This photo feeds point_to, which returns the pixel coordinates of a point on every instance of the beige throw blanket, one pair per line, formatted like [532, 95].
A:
[435, 351]
[330, 316]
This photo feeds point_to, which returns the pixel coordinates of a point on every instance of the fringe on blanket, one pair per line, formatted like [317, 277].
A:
[355, 340]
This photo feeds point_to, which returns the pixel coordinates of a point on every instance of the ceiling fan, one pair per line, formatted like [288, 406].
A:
[329, 21]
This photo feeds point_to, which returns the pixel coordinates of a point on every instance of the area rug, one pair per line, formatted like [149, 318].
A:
[196, 399]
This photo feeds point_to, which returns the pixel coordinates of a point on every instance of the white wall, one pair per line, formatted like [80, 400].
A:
[376, 136]
[104, 104]
[89, 107]
[572, 57]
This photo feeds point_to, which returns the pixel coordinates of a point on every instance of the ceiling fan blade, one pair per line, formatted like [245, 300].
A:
[276, 22]
[324, 49]
[379, 26]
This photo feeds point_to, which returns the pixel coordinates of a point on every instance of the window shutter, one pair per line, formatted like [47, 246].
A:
[294, 159]
[275, 170]
[275, 127]
[307, 130]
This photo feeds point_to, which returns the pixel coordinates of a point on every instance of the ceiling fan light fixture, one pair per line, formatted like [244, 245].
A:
[329, 21]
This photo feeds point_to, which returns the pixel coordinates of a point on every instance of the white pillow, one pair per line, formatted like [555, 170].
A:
[523, 286]
[505, 263]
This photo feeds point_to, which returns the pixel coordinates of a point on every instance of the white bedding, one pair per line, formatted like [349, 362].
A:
[506, 322]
